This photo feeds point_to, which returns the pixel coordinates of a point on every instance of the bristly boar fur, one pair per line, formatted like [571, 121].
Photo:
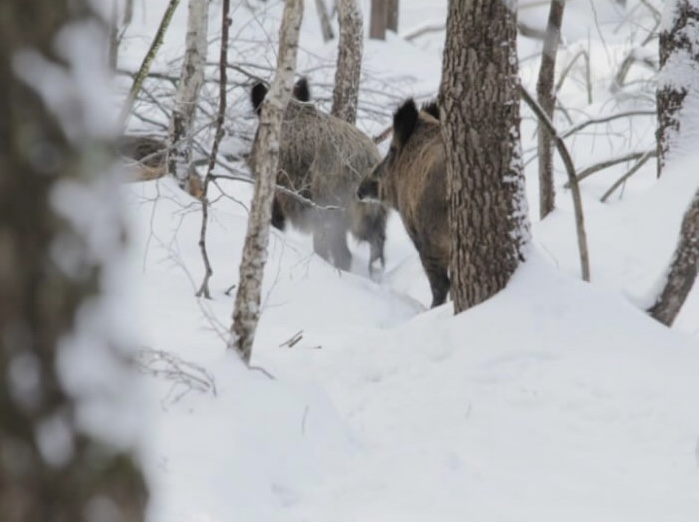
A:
[323, 159]
[412, 179]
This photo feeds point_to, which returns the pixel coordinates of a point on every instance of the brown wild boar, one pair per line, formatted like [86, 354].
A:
[323, 159]
[412, 179]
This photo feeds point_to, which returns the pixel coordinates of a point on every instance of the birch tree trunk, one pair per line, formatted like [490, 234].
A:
[191, 79]
[547, 100]
[349, 61]
[678, 80]
[51, 273]
[143, 70]
[683, 269]
[247, 300]
[479, 103]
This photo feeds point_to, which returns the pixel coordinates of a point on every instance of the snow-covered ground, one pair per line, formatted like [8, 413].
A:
[554, 400]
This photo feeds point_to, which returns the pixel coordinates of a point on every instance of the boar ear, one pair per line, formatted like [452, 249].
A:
[301, 90]
[431, 108]
[404, 120]
[257, 96]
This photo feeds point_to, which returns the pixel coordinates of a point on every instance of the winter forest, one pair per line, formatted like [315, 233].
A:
[349, 260]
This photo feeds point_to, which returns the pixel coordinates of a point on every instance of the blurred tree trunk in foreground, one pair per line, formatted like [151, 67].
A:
[51, 272]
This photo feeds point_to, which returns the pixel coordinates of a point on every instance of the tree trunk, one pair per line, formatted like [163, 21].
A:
[677, 89]
[247, 300]
[349, 61]
[324, 19]
[683, 269]
[191, 79]
[392, 15]
[143, 70]
[679, 55]
[378, 19]
[218, 137]
[479, 102]
[51, 272]
[547, 100]
[114, 36]
[128, 12]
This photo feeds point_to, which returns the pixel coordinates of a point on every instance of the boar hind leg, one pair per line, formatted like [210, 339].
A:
[376, 256]
[368, 223]
[342, 257]
[320, 244]
[439, 279]
[330, 240]
[278, 218]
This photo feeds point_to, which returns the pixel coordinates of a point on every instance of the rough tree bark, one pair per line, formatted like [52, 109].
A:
[546, 97]
[682, 273]
[378, 19]
[51, 467]
[180, 140]
[479, 100]
[677, 135]
[677, 80]
[349, 61]
[247, 300]
[324, 19]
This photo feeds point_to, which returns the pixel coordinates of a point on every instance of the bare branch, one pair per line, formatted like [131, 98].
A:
[570, 170]
[643, 159]
[185, 376]
[604, 119]
[597, 167]
[225, 25]
[148, 60]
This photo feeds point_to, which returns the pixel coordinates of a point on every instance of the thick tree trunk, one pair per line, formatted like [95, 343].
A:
[479, 101]
[547, 100]
[679, 56]
[378, 19]
[51, 467]
[349, 61]
[683, 269]
[247, 300]
[191, 79]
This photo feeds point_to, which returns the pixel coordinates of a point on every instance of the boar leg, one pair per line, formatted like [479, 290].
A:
[337, 230]
[438, 277]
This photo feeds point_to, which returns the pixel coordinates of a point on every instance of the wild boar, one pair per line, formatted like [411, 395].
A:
[412, 180]
[323, 159]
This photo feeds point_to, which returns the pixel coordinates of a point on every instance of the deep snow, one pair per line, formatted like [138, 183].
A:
[554, 400]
